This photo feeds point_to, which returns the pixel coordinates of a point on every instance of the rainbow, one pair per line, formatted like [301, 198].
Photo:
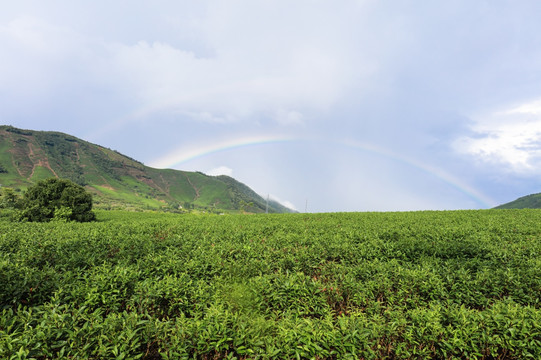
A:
[438, 173]
[185, 154]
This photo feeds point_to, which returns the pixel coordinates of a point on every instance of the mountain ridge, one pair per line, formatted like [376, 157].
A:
[532, 201]
[116, 180]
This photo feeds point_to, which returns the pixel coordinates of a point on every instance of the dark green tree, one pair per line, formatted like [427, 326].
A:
[9, 199]
[57, 199]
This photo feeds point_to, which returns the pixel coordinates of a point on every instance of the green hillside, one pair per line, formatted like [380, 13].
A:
[116, 180]
[532, 201]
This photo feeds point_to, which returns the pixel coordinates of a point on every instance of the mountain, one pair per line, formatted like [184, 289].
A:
[116, 180]
[532, 201]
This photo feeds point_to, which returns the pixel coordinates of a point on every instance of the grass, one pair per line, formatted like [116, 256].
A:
[41, 173]
[123, 197]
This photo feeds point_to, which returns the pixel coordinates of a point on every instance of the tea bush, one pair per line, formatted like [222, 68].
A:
[449, 285]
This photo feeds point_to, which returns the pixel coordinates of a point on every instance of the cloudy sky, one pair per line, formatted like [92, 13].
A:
[365, 105]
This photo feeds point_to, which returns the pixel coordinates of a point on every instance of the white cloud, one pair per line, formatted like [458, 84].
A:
[220, 170]
[252, 66]
[529, 108]
[34, 57]
[226, 87]
[286, 203]
[289, 118]
[510, 138]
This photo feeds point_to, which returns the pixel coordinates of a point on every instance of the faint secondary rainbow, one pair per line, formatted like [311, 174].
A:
[185, 154]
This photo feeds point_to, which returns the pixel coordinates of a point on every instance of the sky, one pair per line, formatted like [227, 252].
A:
[325, 106]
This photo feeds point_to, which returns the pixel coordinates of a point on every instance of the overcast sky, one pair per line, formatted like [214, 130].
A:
[366, 105]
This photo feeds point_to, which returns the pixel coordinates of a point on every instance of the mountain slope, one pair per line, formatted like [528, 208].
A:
[116, 180]
[532, 201]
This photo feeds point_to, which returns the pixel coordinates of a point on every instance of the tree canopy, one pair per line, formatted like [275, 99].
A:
[9, 199]
[57, 199]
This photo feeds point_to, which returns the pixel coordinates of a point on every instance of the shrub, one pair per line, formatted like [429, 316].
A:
[9, 199]
[57, 197]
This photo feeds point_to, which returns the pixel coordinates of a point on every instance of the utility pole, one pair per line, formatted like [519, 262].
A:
[267, 208]
[306, 206]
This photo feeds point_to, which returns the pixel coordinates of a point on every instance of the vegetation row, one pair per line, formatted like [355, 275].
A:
[447, 285]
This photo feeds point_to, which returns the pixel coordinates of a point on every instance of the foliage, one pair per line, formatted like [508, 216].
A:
[57, 198]
[246, 206]
[10, 203]
[532, 201]
[15, 130]
[9, 199]
[243, 196]
[447, 285]
[62, 150]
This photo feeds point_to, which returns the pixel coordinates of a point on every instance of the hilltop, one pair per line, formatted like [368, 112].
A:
[116, 180]
[532, 201]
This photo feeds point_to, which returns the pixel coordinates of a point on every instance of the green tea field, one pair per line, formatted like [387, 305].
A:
[412, 285]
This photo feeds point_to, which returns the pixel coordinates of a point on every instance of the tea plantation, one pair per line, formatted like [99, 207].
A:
[413, 285]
